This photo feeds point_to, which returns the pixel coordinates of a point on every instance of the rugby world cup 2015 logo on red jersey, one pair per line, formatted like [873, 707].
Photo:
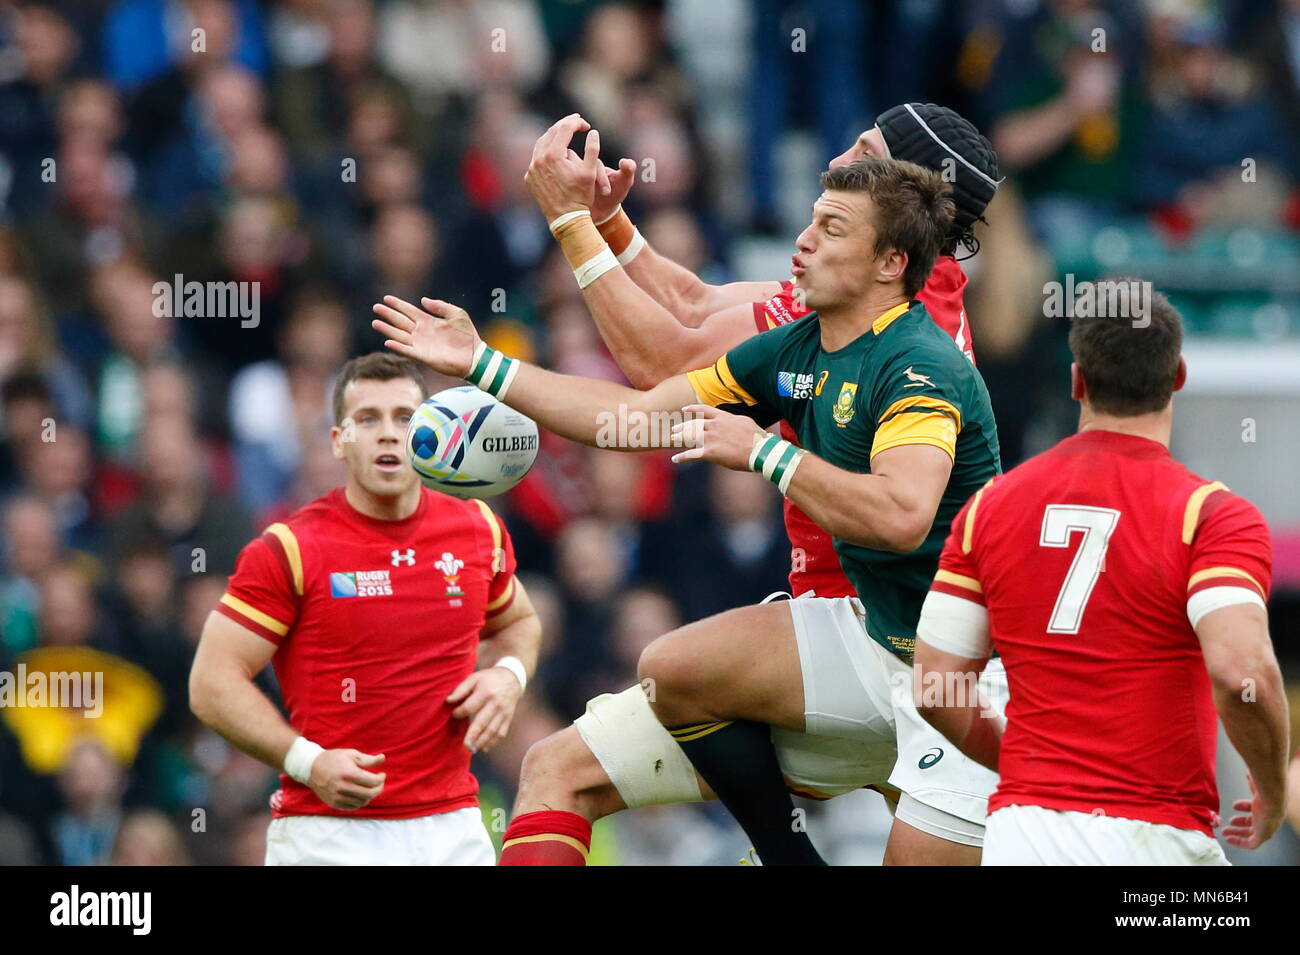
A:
[361, 583]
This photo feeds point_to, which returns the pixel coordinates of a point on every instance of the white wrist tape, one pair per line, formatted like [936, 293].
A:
[633, 247]
[595, 267]
[776, 459]
[567, 217]
[491, 371]
[515, 666]
[298, 761]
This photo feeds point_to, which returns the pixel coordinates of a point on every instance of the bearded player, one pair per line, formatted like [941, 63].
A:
[900, 429]
[1126, 597]
[659, 319]
[373, 603]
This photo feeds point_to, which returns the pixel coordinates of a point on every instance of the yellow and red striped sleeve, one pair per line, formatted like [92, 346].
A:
[501, 591]
[1228, 541]
[265, 592]
[957, 574]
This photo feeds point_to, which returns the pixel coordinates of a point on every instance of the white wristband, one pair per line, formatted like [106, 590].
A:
[298, 761]
[595, 267]
[515, 666]
[567, 217]
[633, 247]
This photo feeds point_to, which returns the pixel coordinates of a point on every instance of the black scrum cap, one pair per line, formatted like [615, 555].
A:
[928, 135]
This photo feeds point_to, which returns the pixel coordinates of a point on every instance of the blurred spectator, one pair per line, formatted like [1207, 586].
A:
[143, 38]
[88, 221]
[736, 553]
[313, 98]
[138, 334]
[148, 837]
[810, 56]
[451, 49]
[32, 551]
[46, 47]
[59, 473]
[92, 785]
[18, 845]
[279, 406]
[28, 343]
[1209, 114]
[1067, 121]
[203, 529]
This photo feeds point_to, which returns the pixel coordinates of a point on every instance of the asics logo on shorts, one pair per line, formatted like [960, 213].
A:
[931, 757]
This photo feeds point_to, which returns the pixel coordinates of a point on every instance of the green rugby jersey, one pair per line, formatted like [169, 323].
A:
[903, 382]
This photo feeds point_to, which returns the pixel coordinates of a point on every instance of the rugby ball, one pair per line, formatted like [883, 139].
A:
[466, 443]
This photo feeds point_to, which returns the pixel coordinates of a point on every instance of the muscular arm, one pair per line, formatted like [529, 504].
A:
[649, 334]
[946, 692]
[1249, 693]
[585, 410]
[224, 697]
[488, 696]
[892, 508]
[515, 632]
[687, 298]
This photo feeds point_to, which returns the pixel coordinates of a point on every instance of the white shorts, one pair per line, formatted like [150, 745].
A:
[937, 775]
[446, 838]
[1032, 835]
[850, 742]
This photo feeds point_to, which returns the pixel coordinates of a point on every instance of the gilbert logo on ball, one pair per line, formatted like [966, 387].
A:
[466, 443]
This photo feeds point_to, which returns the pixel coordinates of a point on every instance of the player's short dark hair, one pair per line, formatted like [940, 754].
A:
[913, 210]
[377, 366]
[1129, 366]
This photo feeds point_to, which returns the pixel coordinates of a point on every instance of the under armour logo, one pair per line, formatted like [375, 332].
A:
[407, 558]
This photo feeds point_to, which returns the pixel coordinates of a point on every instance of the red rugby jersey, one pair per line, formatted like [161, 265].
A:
[814, 565]
[375, 623]
[1086, 558]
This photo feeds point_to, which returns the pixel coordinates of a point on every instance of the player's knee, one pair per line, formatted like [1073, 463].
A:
[546, 761]
[560, 772]
[664, 671]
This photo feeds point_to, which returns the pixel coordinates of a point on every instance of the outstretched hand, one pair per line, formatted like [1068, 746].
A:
[440, 335]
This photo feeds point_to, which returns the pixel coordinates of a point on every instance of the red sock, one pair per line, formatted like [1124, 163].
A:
[547, 837]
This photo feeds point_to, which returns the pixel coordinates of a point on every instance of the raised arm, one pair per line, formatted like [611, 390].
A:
[585, 410]
[657, 318]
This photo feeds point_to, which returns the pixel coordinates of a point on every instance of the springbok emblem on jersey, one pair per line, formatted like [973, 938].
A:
[407, 558]
[915, 380]
[451, 566]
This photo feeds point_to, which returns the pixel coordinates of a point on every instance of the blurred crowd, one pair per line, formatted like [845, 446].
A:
[332, 151]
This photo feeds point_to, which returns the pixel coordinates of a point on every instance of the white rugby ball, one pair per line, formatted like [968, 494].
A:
[466, 443]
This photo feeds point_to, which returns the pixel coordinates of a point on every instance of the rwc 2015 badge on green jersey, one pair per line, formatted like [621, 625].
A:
[843, 410]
